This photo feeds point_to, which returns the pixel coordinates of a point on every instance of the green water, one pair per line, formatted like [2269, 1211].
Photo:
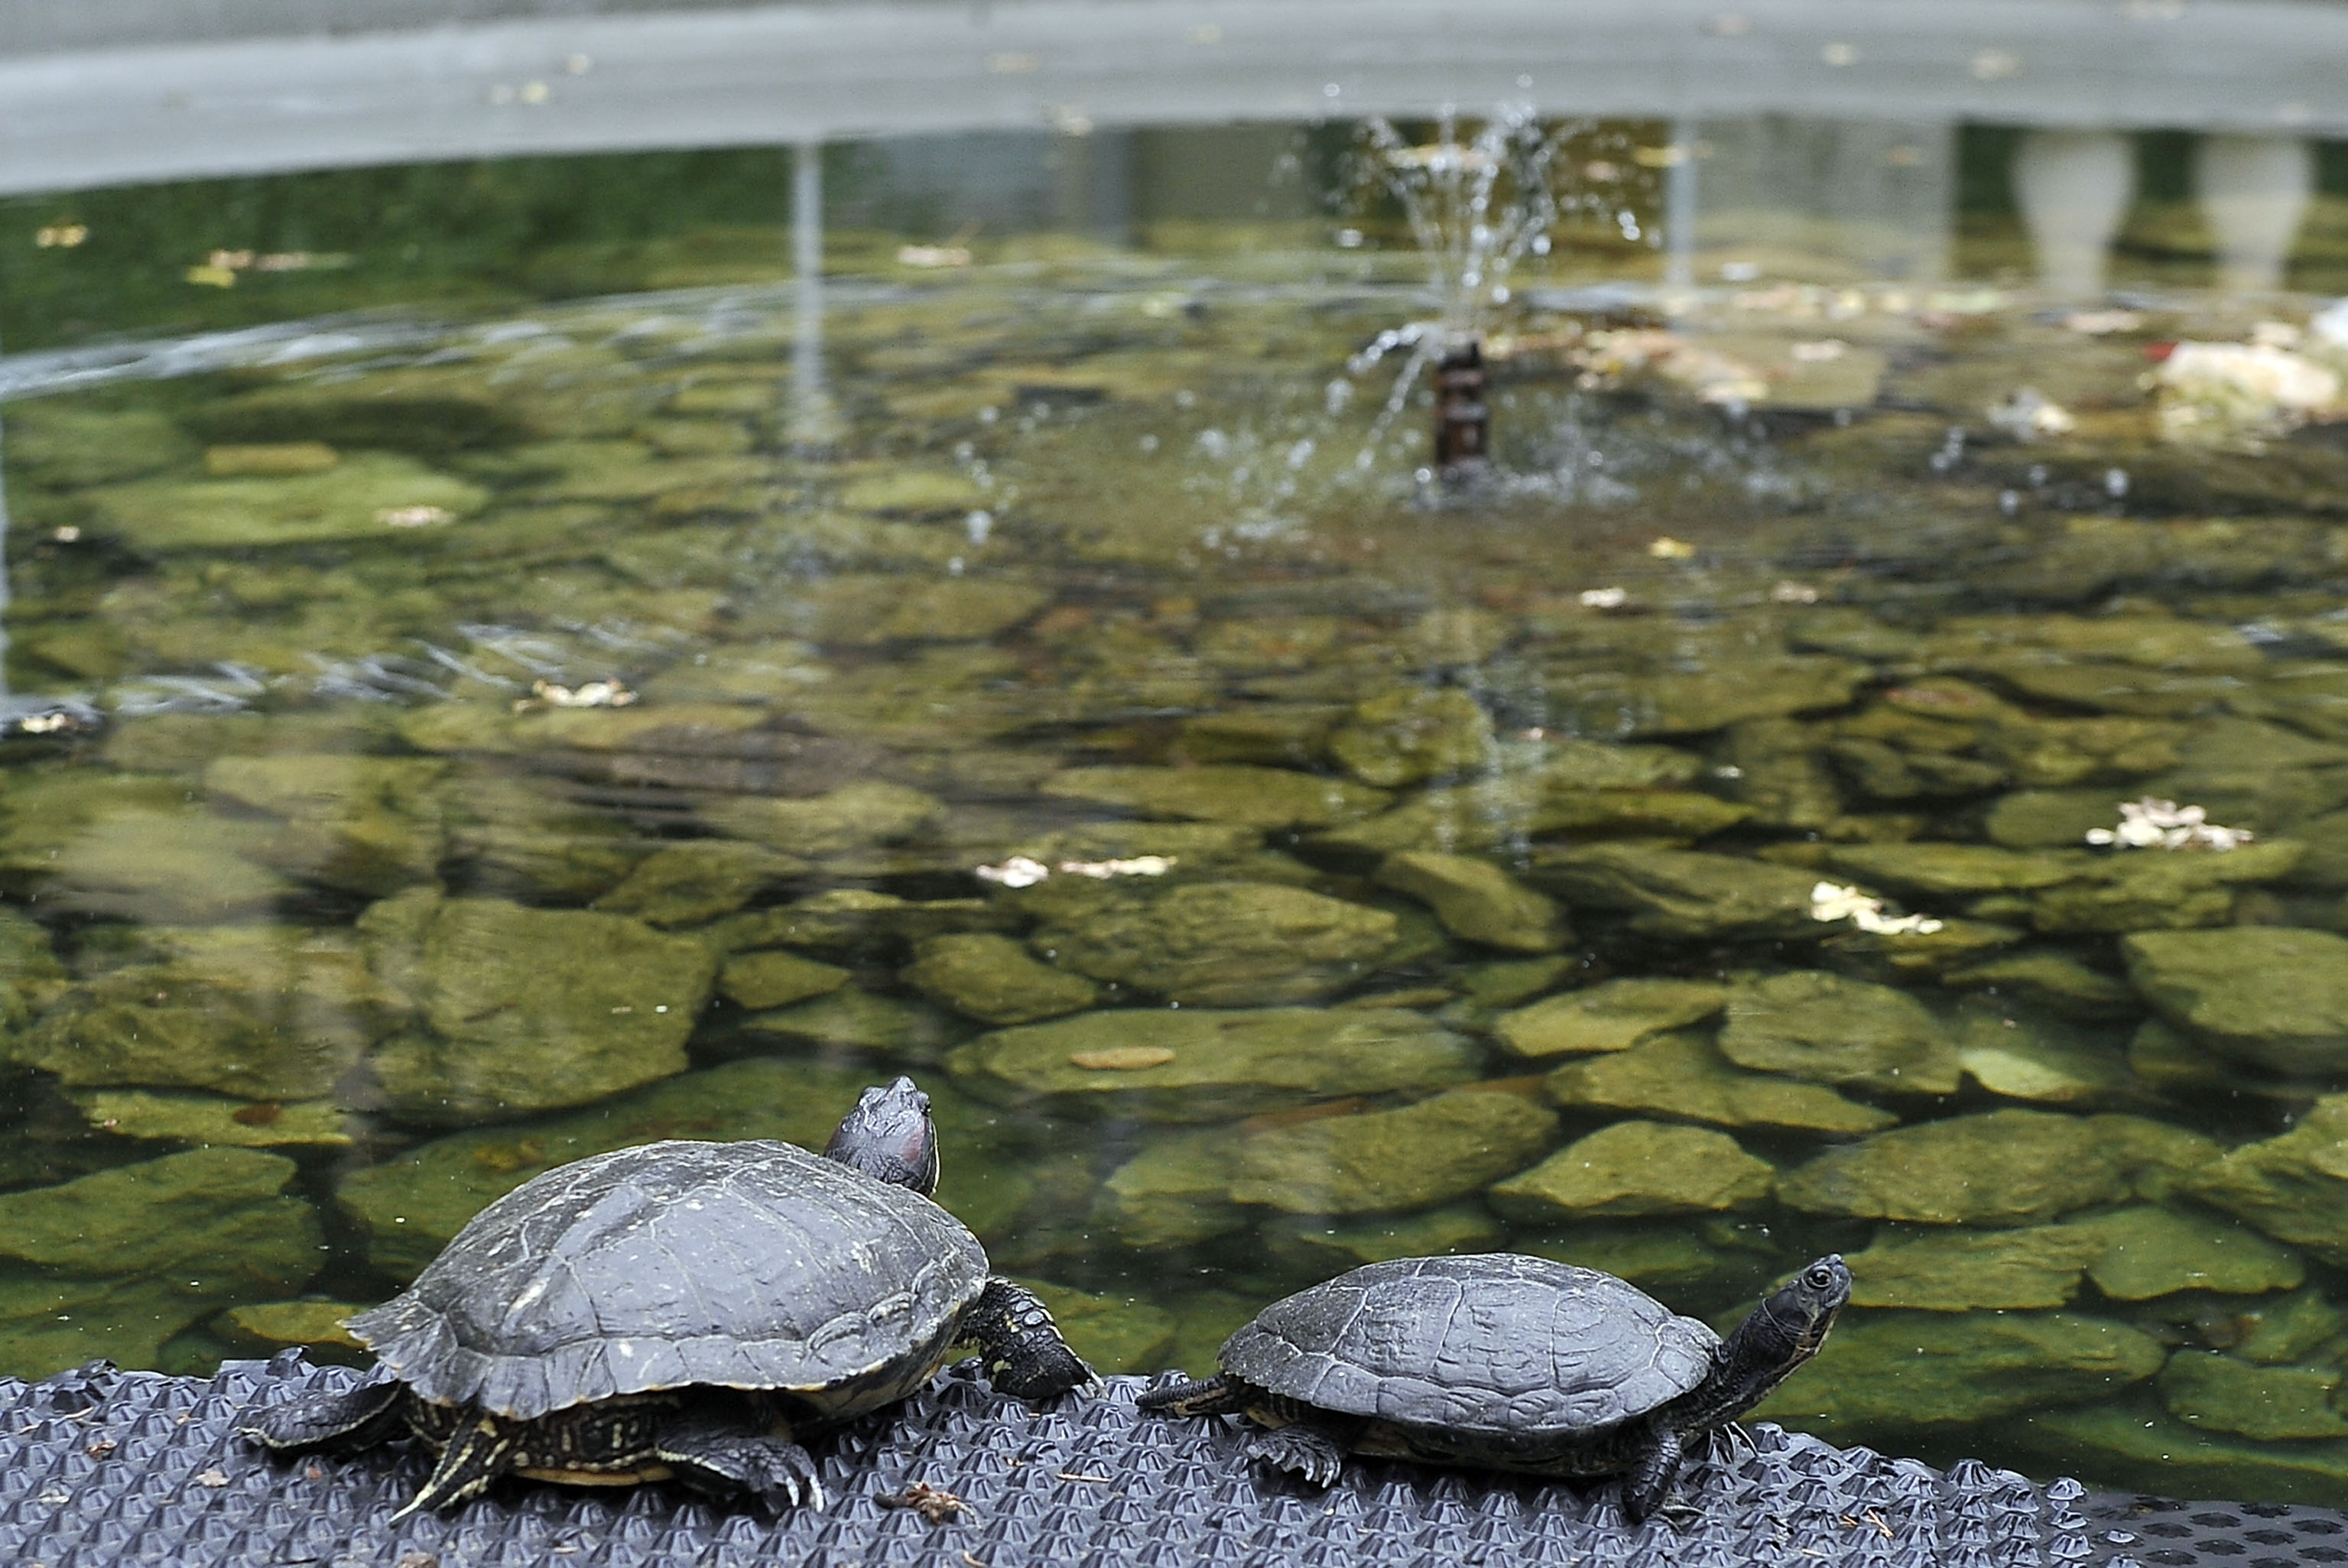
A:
[544, 724]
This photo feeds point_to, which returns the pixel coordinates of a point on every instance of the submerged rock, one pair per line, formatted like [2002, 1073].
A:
[2136, 1443]
[760, 980]
[2147, 890]
[1259, 797]
[2153, 1251]
[265, 1012]
[367, 824]
[1201, 1065]
[265, 1327]
[1636, 1168]
[1810, 1023]
[363, 497]
[1908, 1371]
[1116, 1333]
[994, 979]
[1414, 734]
[528, 1009]
[1724, 1254]
[1174, 1193]
[1613, 1015]
[114, 1263]
[1320, 1246]
[1965, 1271]
[1998, 1168]
[2055, 981]
[1385, 1161]
[1684, 1075]
[2020, 1054]
[1674, 893]
[1690, 703]
[2273, 997]
[1222, 944]
[2269, 1403]
[1478, 901]
[852, 817]
[848, 1015]
[2293, 1187]
[214, 1119]
[688, 883]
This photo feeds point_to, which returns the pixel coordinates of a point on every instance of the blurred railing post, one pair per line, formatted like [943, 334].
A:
[2074, 187]
[2253, 190]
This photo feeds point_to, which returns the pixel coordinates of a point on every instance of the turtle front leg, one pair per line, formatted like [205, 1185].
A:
[1021, 1346]
[359, 1417]
[721, 1459]
[1651, 1476]
[1310, 1448]
[1222, 1394]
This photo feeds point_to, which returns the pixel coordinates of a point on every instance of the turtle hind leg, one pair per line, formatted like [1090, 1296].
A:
[1219, 1396]
[721, 1459]
[1312, 1450]
[359, 1418]
[1025, 1355]
[482, 1448]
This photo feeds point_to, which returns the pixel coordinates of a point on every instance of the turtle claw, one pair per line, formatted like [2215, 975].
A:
[1313, 1457]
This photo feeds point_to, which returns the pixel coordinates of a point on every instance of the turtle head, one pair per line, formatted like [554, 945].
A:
[891, 1137]
[1777, 1338]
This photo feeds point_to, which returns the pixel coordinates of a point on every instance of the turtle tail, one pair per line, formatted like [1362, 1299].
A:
[1219, 1396]
[480, 1450]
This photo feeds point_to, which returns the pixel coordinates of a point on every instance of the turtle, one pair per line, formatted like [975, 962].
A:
[686, 1310]
[1504, 1361]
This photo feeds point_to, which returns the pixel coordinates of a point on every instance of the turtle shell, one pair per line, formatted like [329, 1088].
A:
[748, 1266]
[1498, 1343]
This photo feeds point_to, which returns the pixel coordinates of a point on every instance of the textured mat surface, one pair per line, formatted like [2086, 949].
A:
[100, 1468]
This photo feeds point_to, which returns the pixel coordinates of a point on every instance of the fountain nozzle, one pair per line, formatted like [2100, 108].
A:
[1462, 418]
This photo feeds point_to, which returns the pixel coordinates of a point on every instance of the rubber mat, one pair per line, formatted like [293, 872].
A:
[102, 1468]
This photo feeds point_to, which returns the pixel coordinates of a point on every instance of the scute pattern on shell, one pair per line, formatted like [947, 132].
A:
[1538, 1346]
[746, 1265]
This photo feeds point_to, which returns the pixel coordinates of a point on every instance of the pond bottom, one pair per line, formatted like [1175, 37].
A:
[105, 1467]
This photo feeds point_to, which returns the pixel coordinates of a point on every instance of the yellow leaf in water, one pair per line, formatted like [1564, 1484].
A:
[1123, 1058]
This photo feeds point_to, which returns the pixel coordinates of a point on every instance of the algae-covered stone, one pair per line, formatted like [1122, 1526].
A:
[265, 1012]
[1810, 1023]
[853, 919]
[529, 1009]
[1233, 792]
[116, 1263]
[1613, 1015]
[360, 497]
[1963, 1271]
[1999, 1168]
[684, 884]
[1385, 1161]
[777, 979]
[2055, 981]
[850, 817]
[861, 609]
[1116, 1333]
[2275, 997]
[1935, 871]
[1511, 981]
[1717, 1252]
[1478, 901]
[994, 979]
[2134, 1442]
[205, 1119]
[1434, 1233]
[2152, 1251]
[2049, 819]
[2293, 1187]
[66, 447]
[1780, 774]
[1416, 733]
[1637, 1167]
[268, 1327]
[1223, 944]
[848, 1016]
[2283, 1329]
[365, 824]
[1676, 893]
[2021, 1054]
[1692, 702]
[1174, 1193]
[1203, 1065]
[172, 864]
[1579, 788]
[2269, 1403]
[1906, 1370]
[408, 1207]
[2148, 891]
[1684, 1075]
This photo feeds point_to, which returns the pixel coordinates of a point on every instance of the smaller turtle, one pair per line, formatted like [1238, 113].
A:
[687, 1310]
[1503, 1361]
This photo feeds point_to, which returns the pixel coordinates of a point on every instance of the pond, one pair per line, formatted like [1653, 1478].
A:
[509, 664]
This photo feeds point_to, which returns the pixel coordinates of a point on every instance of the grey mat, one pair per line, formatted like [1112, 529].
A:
[100, 1468]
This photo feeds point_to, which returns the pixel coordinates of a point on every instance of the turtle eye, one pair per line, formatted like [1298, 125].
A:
[1819, 1278]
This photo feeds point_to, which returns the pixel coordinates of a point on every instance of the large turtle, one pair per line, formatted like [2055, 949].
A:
[1502, 1361]
[687, 1310]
